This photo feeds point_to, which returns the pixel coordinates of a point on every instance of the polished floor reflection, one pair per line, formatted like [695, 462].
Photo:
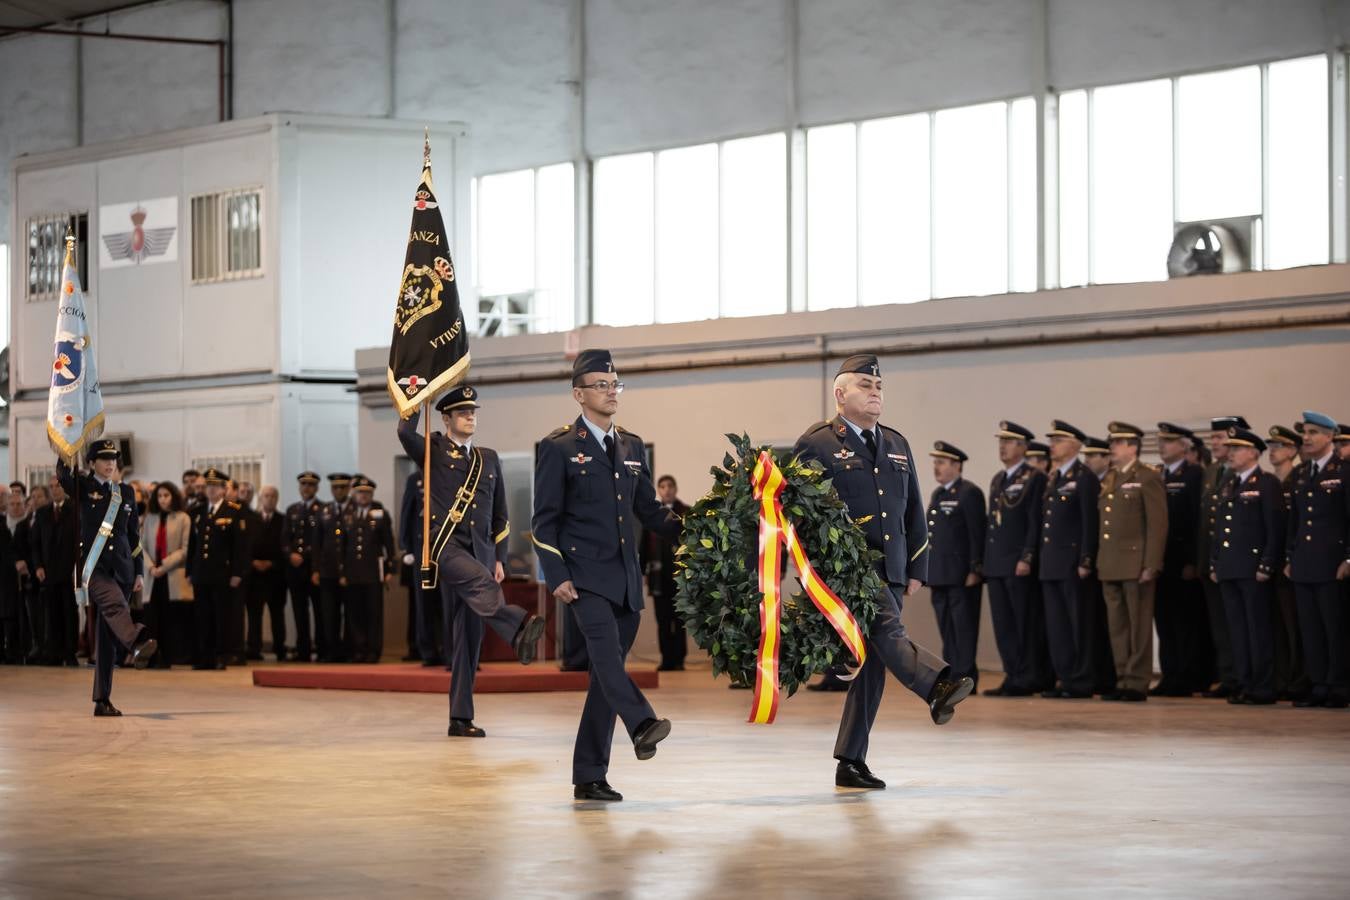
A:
[210, 787]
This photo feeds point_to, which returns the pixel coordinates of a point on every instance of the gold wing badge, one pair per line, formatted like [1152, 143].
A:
[420, 293]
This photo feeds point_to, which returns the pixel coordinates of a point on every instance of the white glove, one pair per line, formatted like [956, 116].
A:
[408, 559]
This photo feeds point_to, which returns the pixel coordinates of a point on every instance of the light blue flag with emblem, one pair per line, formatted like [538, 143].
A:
[75, 401]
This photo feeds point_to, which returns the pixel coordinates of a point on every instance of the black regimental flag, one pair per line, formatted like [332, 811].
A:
[430, 349]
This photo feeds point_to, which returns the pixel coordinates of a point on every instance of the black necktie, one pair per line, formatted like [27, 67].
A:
[609, 448]
[871, 443]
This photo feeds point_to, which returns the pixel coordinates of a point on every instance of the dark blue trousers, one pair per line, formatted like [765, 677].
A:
[609, 631]
[1324, 620]
[957, 608]
[1018, 625]
[1246, 604]
[116, 630]
[1070, 607]
[888, 649]
[464, 647]
[469, 592]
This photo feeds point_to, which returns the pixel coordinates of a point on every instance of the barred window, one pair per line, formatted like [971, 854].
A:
[39, 476]
[245, 467]
[227, 236]
[47, 250]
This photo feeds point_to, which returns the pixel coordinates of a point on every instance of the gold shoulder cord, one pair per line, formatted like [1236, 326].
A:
[461, 505]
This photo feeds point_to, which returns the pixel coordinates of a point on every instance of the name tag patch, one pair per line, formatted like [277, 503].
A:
[632, 464]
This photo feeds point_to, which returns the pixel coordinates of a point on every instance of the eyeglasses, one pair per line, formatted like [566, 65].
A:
[603, 386]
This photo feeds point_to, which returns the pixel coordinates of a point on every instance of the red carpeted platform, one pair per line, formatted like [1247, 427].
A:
[504, 678]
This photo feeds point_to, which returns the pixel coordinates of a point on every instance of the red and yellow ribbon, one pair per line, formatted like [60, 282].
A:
[775, 530]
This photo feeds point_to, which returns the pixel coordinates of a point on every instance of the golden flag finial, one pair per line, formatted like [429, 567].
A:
[70, 245]
[426, 147]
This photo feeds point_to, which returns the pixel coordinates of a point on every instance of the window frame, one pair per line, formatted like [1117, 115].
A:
[221, 239]
[77, 221]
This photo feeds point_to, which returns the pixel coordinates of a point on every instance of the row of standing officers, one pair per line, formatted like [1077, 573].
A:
[1242, 570]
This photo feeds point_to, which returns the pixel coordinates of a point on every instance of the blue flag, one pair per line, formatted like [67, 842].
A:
[75, 401]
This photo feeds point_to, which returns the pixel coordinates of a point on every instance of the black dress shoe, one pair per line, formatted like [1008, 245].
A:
[673, 667]
[1219, 692]
[1014, 690]
[1237, 700]
[142, 652]
[829, 684]
[1133, 696]
[850, 774]
[649, 734]
[527, 639]
[464, 728]
[944, 697]
[993, 692]
[1261, 700]
[1336, 703]
[1076, 695]
[1054, 695]
[1307, 702]
[104, 708]
[1112, 696]
[596, 790]
[411, 657]
[432, 663]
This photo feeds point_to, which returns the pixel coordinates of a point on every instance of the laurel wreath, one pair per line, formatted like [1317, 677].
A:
[718, 594]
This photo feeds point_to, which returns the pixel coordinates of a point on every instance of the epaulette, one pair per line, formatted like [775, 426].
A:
[232, 504]
[817, 427]
[621, 430]
[891, 430]
[559, 432]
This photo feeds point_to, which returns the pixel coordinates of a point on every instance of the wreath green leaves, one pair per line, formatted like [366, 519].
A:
[718, 594]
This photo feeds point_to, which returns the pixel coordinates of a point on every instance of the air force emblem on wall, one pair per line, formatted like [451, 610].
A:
[420, 293]
[139, 242]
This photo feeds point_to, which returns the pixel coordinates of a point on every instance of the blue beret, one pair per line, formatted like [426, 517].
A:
[1320, 420]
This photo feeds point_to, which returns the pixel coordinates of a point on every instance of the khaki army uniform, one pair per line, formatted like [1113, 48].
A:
[1132, 510]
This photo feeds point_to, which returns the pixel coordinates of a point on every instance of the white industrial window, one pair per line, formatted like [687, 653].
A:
[4, 295]
[894, 223]
[1023, 215]
[47, 251]
[623, 235]
[524, 243]
[1131, 182]
[754, 224]
[970, 201]
[1296, 168]
[39, 476]
[686, 234]
[226, 236]
[832, 216]
[690, 233]
[240, 467]
[1073, 189]
[1219, 144]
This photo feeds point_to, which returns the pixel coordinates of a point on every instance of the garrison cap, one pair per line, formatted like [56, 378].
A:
[104, 449]
[861, 364]
[339, 479]
[1175, 432]
[1060, 428]
[212, 475]
[1223, 423]
[1095, 445]
[1245, 437]
[1013, 431]
[1282, 435]
[458, 398]
[308, 477]
[948, 451]
[1124, 430]
[1036, 448]
[1320, 420]
[588, 361]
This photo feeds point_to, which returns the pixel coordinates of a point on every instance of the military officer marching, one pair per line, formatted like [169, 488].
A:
[956, 524]
[586, 529]
[873, 469]
[110, 564]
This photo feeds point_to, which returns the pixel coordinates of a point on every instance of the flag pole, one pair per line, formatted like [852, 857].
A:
[427, 562]
[74, 499]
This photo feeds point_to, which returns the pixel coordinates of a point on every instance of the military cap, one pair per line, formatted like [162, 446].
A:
[1244, 437]
[308, 477]
[212, 475]
[1013, 431]
[861, 364]
[1119, 430]
[1175, 432]
[1060, 428]
[1342, 434]
[1036, 448]
[338, 479]
[1095, 445]
[104, 449]
[948, 451]
[588, 361]
[1320, 420]
[1223, 423]
[459, 398]
[362, 483]
[1197, 443]
[1282, 435]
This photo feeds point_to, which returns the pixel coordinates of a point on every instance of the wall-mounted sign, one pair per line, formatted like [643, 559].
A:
[138, 234]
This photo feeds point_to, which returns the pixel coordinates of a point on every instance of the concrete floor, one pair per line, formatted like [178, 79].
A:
[210, 787]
